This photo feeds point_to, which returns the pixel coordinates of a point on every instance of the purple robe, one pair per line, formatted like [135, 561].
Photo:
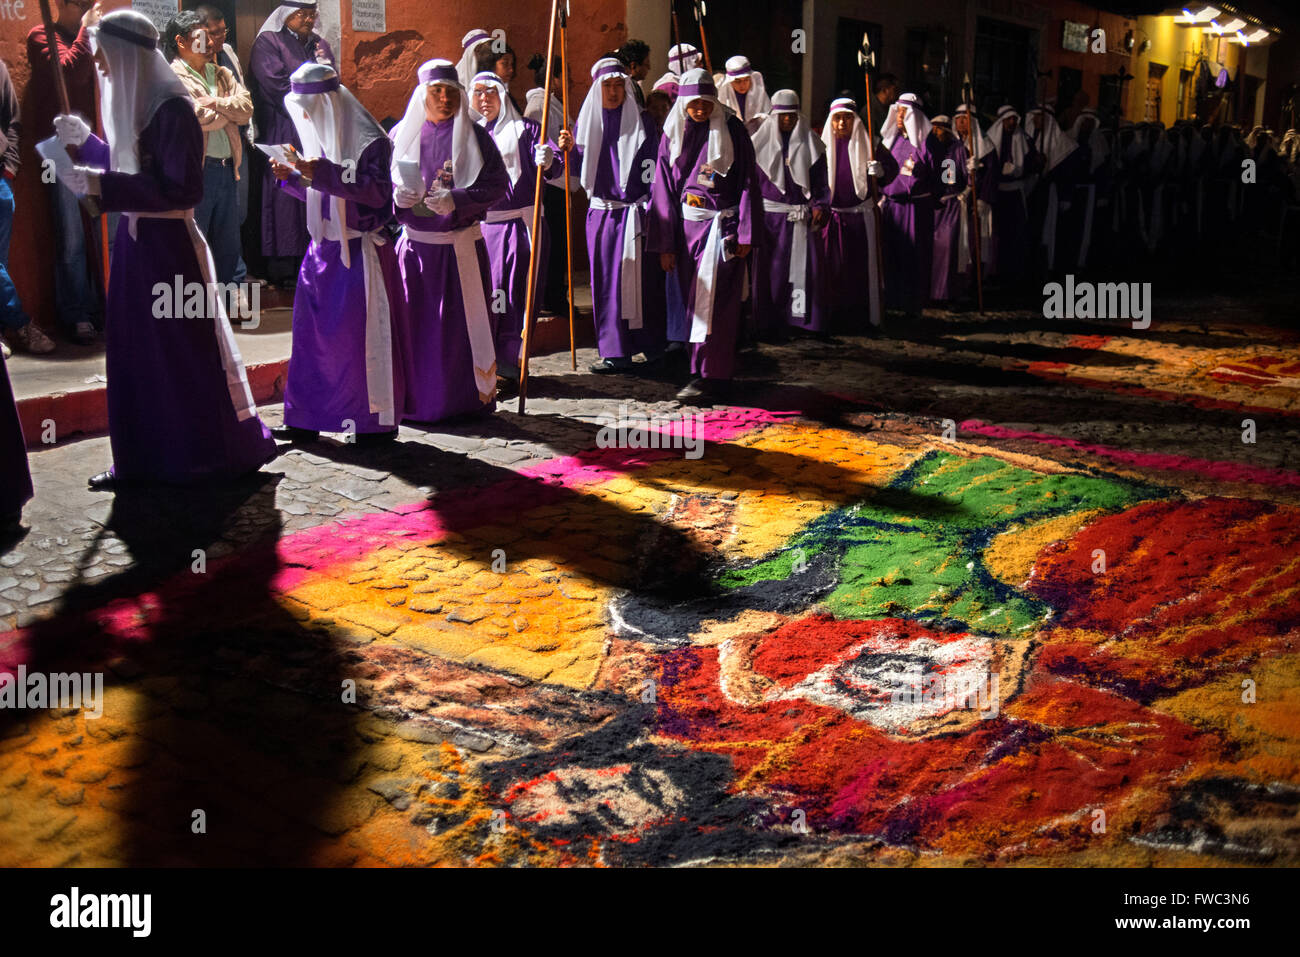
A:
[845, 243]
[946, 273]
[272, 61]
[170, 414]
[668, 231]
[907, 220]
[15, 475]
[773, 292]
[508, 251]
[614, 338]
[327, 384]
[1011, 212]
[439, 364]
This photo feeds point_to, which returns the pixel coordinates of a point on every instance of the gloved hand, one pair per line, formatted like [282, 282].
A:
[82, 180]
[440, 201]
[72, 130]
[405, 198]
[875, 169]
[543, 156]
[971, 165]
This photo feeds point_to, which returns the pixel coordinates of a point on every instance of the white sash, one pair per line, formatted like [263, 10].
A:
[706, 277]
[524, 214]
[798, 249]
[629, 273]
[232, 363]
[482, 348]
[965, 252]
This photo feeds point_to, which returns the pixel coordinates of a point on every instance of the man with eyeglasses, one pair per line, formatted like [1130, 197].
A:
[287, 40]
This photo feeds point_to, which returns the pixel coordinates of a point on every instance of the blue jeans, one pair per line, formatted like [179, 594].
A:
[11, 307]
[217, 216]
[76, 298]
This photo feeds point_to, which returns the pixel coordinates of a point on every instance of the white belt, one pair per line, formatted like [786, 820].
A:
[706, 277]
[798, 249]
[482, 348]
[524, 214]
[984, 216]
[629, 272]
[232, 363]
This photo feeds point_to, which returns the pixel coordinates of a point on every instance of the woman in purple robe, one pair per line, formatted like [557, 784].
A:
[179, 406]
[789, 281]
[507, 227]
[345, 372]
[850, 245]
[907, 216]
[286, 41]
[447, 173]
[705, 217]
[15, 475]
[618, 142]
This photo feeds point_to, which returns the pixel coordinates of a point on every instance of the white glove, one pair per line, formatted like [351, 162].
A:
[971, 165]
[543, 156]
[405, 198]
[875, 169]
[72, 130]
[440, 201]
[78, 180]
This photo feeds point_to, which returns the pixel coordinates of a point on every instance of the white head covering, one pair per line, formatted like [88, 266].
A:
[1041, 128]
[1019, 143]
[696, 84]
[332, 123]
[983, 145]
[1098, 145]
[509, 127]
[468, 64]
[668, 83]
[916, 124]
[804, 149]
[466, 157]
[859, 147]
[756, 100]
[590, 128]
[275, 22]
[139, 82]
[683, 57]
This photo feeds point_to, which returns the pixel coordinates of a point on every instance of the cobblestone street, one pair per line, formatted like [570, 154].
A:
[502, 642]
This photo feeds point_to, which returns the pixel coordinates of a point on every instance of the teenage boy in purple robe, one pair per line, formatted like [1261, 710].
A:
[447, 173]
[179, 406]
[705, 217]
[907, 215]
[345, 370]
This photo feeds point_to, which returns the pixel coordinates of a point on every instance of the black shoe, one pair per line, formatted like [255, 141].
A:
[607, 367]
[507, 388]
[376, 438]
[704, 389]
[289, 433]
[103, 482]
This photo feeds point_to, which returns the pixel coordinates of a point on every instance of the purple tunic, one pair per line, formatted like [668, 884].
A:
[947, 275]
[15, 475]
[327, 385]
[907, 220]
[170, 414]
[508, 251]
[439, 365]
[1010, 213]
[273, 59]
[845, 243]
[668, 231]
[773, 292]
[614, 339]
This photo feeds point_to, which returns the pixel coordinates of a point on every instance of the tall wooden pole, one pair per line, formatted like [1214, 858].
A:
[971, 148]
[568, 199]
[534, 248]
[865, 59]
[704, 41]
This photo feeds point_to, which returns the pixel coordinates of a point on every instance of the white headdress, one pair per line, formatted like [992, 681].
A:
[468, 64]
[756, 100]
[859, 147]
[1019, 143]
[508, 130]
[983, 145]
[698, 85]
[590, 128]
[804, 148]
[275, 22]
[466, 157]
[138, 82]
[916, 124]
[1098, 145]
[1041, 127]
[683, 57]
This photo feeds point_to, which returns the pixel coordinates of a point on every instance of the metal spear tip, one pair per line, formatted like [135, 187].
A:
[866, 55]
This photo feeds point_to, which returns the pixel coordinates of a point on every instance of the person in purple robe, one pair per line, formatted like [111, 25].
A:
[850, 244]
[950, 159]
[15, 474]
[1060, 171]
[907, 215]
[617, 140]
[345, 370]
[743, 92]
[1016, 162]
[508, 225]
[179, 406]
[789, 281]
[705, 217]
[447, 173]
[982, 164]
[1084, 225]
[286, 41]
